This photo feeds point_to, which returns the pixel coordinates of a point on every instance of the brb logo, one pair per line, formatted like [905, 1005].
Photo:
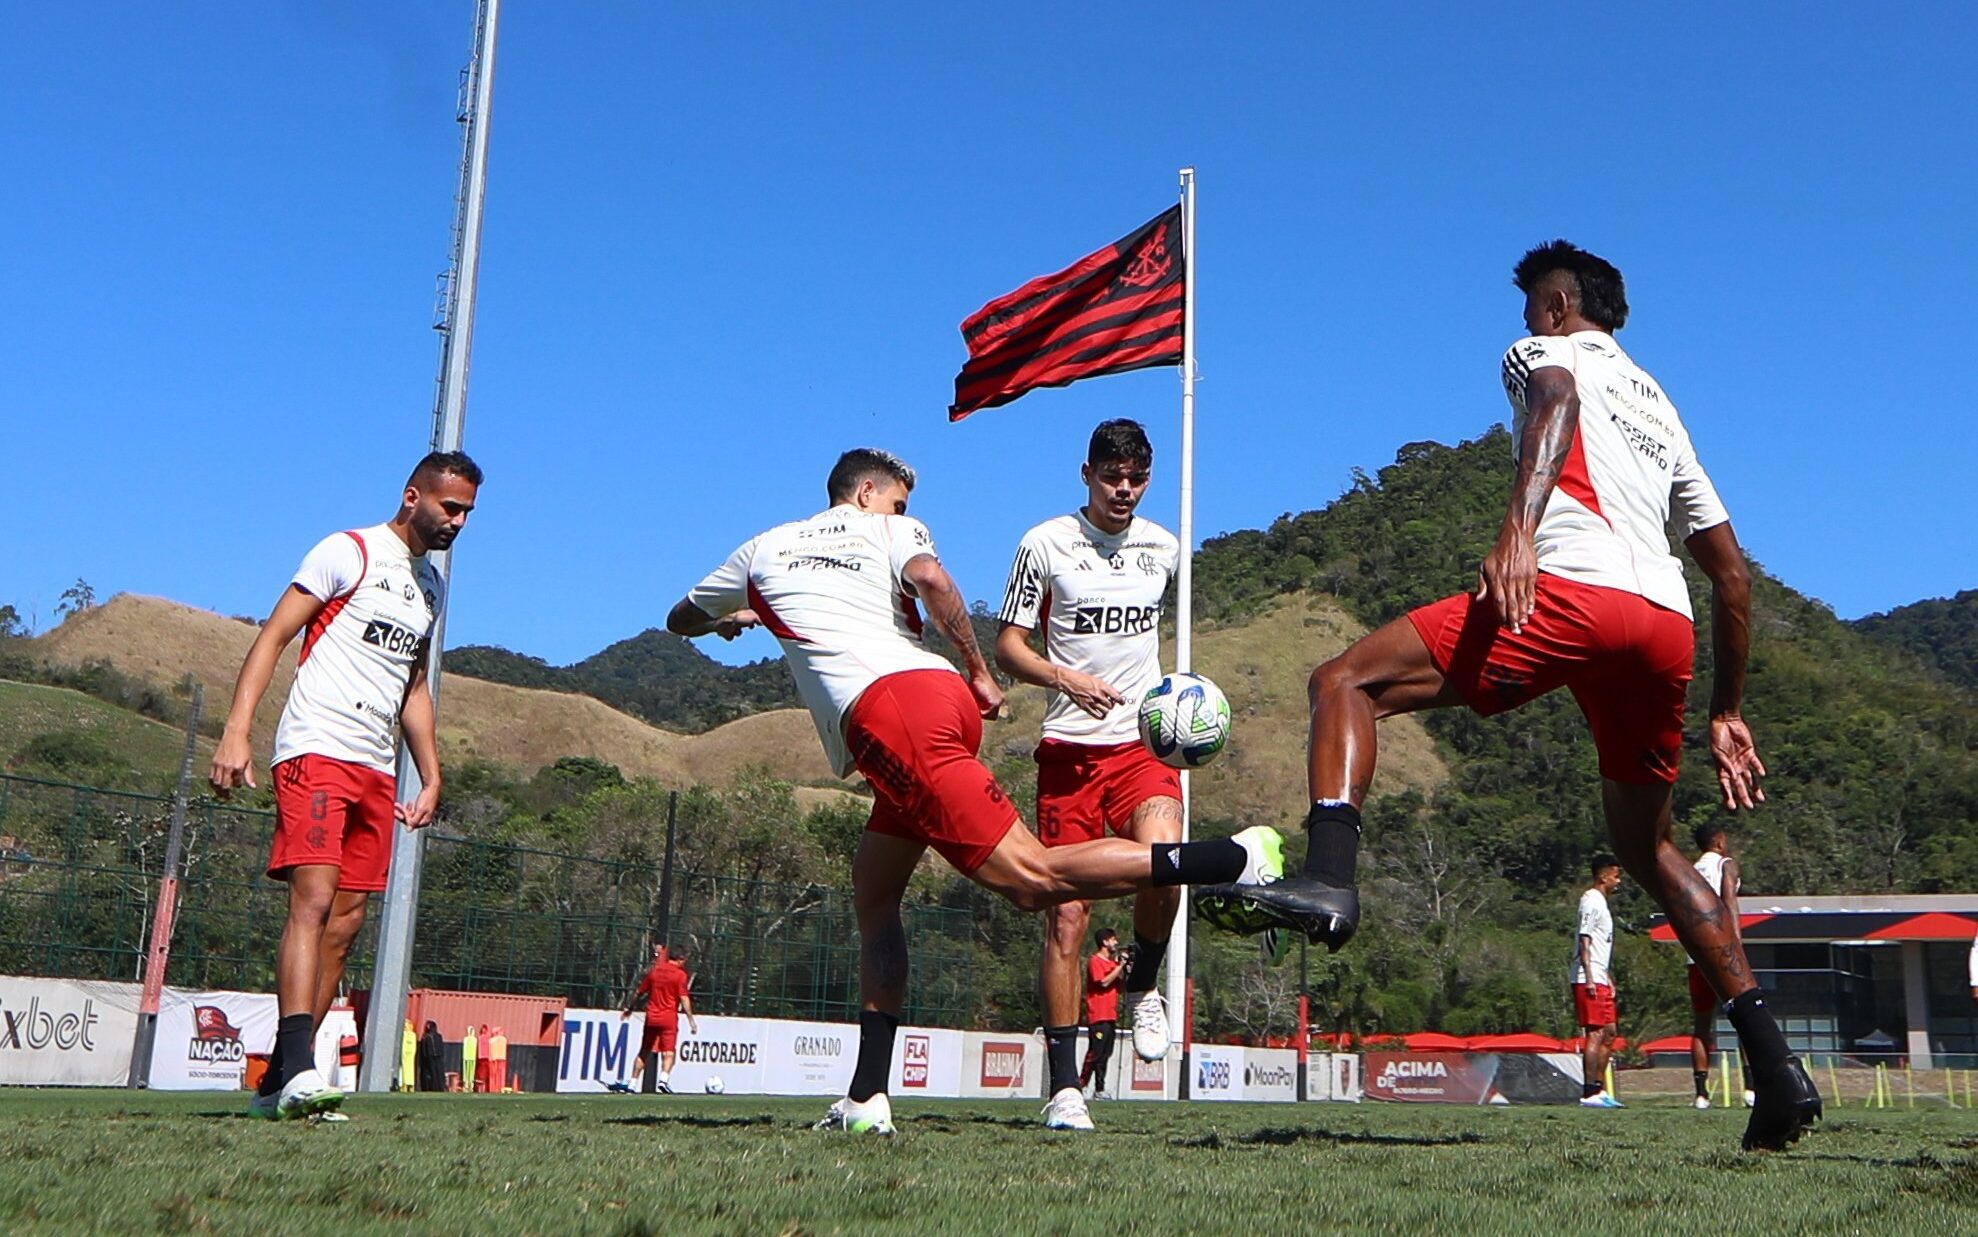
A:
[914, 1066]
[390, 637]
[34, 1028]
[215, 1040]
[1212, 1076]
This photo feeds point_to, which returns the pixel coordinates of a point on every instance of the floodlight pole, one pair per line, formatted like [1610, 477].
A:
[391, 972]
[1179, 1021]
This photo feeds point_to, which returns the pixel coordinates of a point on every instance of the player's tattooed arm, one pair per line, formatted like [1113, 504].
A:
[1509, 573]
[688, 619]
[936, 589]
[1732, 748]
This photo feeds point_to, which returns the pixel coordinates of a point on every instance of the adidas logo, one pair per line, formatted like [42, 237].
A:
[1174, 857]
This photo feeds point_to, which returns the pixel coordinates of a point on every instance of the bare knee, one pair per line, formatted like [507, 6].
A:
[342, 928]
[1332, 679]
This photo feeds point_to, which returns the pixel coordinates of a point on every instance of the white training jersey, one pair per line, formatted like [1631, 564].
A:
[359, 652]
[829, 589]
[1710, 865]
[1597, 925]
[1606, 522]
[1098, 597]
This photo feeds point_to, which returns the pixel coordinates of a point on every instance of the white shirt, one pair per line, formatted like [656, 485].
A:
[359, 652]
[1596, 924]
[1710, 865]
[1606, 522]
[1098, 596]
[829, 589]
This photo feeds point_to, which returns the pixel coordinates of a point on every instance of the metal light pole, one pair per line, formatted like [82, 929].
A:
[159, 955]
[391, 973]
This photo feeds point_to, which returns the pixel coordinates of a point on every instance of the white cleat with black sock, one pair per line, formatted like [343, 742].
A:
[1067, 1111]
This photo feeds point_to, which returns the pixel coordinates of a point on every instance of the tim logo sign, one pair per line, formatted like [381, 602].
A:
[215, 1040]
[1002, 1063]
[914, 1064]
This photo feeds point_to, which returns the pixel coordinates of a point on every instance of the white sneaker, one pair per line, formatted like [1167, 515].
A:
[1263, 849]
[264, 1107]
[1751, 1099]
[1150, 1026]
[306, 1095]
[1067, 1111]
[1702, 1102]
[875, 1116]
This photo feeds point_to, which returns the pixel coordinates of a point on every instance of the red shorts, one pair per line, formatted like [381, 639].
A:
[1084, 789]
[336, 813]
[914, 736]
[1703, 997]
[1593, 1006]
[659, 1036]
[1626, 659]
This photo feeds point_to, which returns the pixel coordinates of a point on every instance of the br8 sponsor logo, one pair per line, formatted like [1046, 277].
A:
[390, 637]
[1212, 1076]
[1114, 620]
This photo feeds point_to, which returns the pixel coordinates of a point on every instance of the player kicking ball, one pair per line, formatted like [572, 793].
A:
[841, 593]
[365, 603]
[1095, 581]
[1580, 591]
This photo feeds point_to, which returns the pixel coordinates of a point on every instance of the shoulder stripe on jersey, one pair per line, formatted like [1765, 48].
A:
[1023, 569]
[770, 619]
[328, 614]
[1574, 481]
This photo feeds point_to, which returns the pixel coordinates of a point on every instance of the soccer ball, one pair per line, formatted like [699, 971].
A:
[714, 1084]
[1184, 720]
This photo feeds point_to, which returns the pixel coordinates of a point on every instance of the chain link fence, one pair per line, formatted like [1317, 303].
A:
[79, 872]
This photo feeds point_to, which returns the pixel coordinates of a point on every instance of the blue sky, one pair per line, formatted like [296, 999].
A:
[725, 241]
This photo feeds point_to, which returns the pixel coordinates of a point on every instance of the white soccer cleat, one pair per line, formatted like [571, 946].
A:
[875, 1116]
[1751, 1099]
[1263, 851]
[1067, 1111]
[1150, 1026]
[1601, 1099]
[306, 1095]
[264, 1107]
[1702, 1102]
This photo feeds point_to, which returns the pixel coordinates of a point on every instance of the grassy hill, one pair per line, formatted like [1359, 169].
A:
[1942, 633]
[65, 735]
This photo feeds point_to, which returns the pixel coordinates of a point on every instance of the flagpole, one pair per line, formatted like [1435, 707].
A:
[1179, 1006]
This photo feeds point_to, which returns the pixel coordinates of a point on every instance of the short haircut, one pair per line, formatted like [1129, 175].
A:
[445, 464]
[1603, 295]
[1601, 862]
[856, 465]
[1707, 834]
[1105, 934]
[1119, 440]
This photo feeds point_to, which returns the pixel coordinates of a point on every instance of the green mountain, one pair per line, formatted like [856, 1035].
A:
[1942, 633]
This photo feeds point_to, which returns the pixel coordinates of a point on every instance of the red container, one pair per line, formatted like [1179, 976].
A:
[526, 1020]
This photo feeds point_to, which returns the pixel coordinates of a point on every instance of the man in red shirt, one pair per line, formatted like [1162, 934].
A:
[665, 989]
[1103, 972]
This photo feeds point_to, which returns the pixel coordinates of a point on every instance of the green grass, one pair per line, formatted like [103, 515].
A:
[193, 1163]
[147, 751]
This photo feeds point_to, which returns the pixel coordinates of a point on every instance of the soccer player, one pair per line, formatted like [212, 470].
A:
[1720, 871]
[1094, 581]
[1592, 979]
[1580, 590]
[664, 986]
[841, 592]
[1103, 972]
[365, 603]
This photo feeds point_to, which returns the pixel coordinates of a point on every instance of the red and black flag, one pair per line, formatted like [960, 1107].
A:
[1111, 311]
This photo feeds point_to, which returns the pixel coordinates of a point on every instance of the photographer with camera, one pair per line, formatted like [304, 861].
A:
[1104, 972]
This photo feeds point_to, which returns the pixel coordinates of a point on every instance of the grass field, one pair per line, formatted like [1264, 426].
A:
[193, 1163]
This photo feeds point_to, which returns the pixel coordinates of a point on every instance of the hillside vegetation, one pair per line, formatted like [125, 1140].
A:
[1942, 633]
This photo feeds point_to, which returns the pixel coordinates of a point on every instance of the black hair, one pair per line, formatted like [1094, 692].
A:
[1707, 833]
[1602, 861]
[445, 463]
[1119, 440]
[859, 463]
[1099, 937]
[1603, 295]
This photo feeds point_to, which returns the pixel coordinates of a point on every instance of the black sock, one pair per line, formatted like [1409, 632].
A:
[875, 1064]
[1702, 1078]
[292, 1046]
[1763, 1045]
[1589, 1089]
[271, 1078]
[1332, 845]
[1146, 966]
[1061, 1052]
[1198, 863]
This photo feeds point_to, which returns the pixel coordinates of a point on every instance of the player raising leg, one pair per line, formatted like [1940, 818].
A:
[841, 593]
[1579, 591]
[1094, 581]
[365, 603]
